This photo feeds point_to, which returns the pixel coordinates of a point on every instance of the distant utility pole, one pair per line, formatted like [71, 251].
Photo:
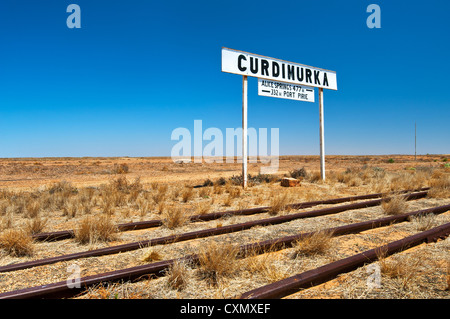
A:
[415, 141]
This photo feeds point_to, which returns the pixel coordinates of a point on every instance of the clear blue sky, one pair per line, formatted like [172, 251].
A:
[136, 70]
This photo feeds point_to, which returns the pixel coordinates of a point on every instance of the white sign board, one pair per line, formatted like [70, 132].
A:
[244, 63]
[285, 90]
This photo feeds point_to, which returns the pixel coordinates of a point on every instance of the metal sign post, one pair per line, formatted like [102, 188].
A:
[244, 130]
[322, 138]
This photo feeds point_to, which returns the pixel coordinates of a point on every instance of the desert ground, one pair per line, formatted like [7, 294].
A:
[91, 195]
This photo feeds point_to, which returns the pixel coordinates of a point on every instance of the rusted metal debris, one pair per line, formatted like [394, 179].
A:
[327, 272]
[66, 234]
[61, 289]
[201, 233]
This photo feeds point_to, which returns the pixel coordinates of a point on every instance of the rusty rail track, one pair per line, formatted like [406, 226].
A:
[61, 289]
[67, 234]
[200, 234]
[327, 272]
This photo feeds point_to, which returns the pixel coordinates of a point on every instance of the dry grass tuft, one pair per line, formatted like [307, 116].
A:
[187, 194]
[151, 255]
[216, 261]
[121, 184]
[161, 207]
[315, 177]
[177, 275]
[203, 207]
[33, 208]
[440, 186]
[143, 207]
[278, 203]
[63, 187]
[6, 221]
[269, 271]
[424, 222]
[259, 199]
[204, 192]
[160, 195]
[95, 229]
[16, 243]
[404, 269]
[174, 217]
[120, 168]
[315, 244]
[176, 191]
[311, 195]
[395, 205]
[218, 189]
[264, 265]
[234, 191]
[154, 185]
[400, 182]
[228, 200]
[35, 226]
[71, 207]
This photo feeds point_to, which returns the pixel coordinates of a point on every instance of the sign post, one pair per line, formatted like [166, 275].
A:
[244, 130]
[291, 81]
[322, 138]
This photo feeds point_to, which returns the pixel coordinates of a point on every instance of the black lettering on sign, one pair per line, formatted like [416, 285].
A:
[275, 69]
[290, 72]
[264, 67]
[282, 71]
[325, 79]
[308, 76]
[254, 66]
[240, 67]
[299, 76]
[316, 77]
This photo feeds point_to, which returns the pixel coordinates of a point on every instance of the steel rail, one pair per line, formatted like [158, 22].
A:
[61, 289]
[287, 241]
[67, 234]
[327, 272]
[200, 233]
